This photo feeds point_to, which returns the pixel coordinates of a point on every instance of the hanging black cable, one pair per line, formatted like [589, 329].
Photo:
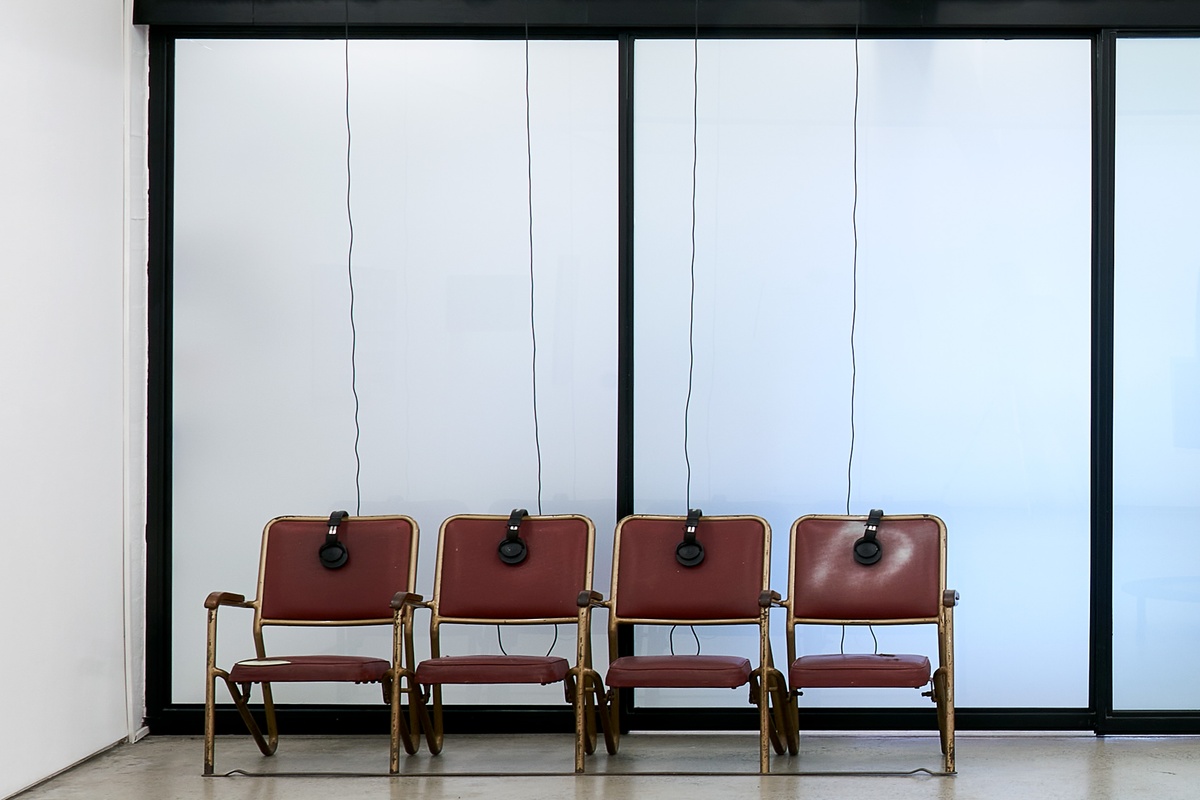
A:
[854, 268]
[671, 638]
[500, 640]
[537, 441]
[532, 294]
[687, 406]
[853, 287]
[549, 650]
[350, 271]
[870, 628]
[854, 292]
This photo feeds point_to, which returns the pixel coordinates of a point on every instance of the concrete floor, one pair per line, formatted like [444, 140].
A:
[990, 767]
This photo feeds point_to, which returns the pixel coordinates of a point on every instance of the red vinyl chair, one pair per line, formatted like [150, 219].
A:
[874, 570]
[695, 570]
[519, 570]
[314, 571]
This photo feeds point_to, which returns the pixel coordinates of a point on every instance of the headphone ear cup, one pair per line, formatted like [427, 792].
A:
[512, 551]
[689, 553]
[333, 555]
[867, 551]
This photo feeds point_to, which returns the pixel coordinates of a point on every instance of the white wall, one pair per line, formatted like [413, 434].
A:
[71, 485]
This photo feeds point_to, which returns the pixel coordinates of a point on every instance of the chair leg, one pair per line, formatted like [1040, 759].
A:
[590, 731]
[610, 708]
[415, 710]
[434, 733]
[589, 713]
[391, 697]
[793, 706]
[574, 692]
[781, 717]
[412, 726]
[945, 716]
[399, 729]
[209, 724]
[765, 737]
[211, 672]
[241, 698]
[759, 696]
[418, 706]
[269, 715]
[599, 708]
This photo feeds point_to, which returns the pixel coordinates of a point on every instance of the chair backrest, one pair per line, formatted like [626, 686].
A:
[649, 584]
[295, 589]
[473, 584]
[905, 585]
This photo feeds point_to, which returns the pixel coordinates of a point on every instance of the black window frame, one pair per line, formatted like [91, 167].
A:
[1102, 22]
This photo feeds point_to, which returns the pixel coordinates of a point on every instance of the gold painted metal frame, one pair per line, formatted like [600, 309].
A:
[773, 715]
[397, 681]
[942, 692]
[583, 687]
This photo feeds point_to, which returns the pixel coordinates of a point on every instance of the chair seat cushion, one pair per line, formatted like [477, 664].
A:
[356, 669]
[492, 669]
[866, 669]
[725, 672]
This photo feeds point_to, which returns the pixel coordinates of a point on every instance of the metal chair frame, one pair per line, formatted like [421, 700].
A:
[582, 685]
[773, 716]
[942, 691]
[402, 732]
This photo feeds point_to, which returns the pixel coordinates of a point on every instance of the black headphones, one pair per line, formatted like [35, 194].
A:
[689, 552]
[868, 550]
[512, 548]
[333, 553]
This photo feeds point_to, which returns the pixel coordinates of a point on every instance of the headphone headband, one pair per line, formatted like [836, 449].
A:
[690, 552]
[333, 554]
[512, 547]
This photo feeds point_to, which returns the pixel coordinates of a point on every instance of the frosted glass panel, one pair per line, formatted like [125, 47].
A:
[973, 323]
[263, 409]
[1156, 373]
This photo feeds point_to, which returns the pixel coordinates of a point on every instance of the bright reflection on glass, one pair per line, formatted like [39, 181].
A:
[1156, 374]
[973, 324]
[263, 415]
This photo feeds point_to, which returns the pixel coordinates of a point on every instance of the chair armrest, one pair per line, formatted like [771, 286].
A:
[589, 597]
[225, 599]
[950, 598]
[402, 599]
[768, 598]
